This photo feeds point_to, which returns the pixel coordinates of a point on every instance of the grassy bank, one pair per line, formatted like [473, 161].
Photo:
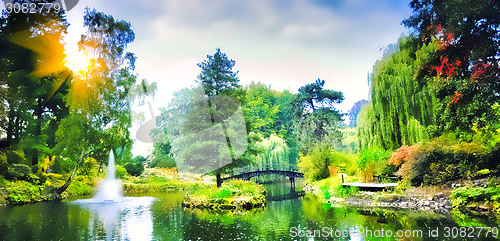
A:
[234, 194]
[161, 180]
[464, 198]
[20, 192]
[478, 197]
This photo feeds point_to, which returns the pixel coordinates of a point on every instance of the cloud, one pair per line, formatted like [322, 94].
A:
[285, 43]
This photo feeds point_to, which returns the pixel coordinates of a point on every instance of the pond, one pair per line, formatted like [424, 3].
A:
[289, 217]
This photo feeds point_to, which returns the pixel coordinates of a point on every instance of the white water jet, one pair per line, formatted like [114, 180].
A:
[110, 189]
[123, 218]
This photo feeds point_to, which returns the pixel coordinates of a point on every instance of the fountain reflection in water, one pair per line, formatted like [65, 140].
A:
[121, 218]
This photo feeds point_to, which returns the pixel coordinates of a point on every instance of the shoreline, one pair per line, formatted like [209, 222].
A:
[19, 193]
[438, 198]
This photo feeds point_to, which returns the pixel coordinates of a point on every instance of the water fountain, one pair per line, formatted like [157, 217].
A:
[110, 188]
[121, 217]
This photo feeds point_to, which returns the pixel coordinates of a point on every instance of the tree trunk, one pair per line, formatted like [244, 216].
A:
[38, 131]
[63, 188]
[219, 181]
[10, 128]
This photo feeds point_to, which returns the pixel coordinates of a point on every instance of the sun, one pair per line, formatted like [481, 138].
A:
[77, 61]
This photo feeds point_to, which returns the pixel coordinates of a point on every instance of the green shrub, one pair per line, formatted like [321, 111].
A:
[3, 163]
[15, 156]
[23, 192]
[228, 189]
[120, 171]
[315, 165]
[372, 161]
[80, 186]
[346, 162]
[325, 190]
[162, 161]
[87, 168]
[483, 172]
[332, 187]
[18, 172]
[134, 169]
[463, 196]
[442, 160]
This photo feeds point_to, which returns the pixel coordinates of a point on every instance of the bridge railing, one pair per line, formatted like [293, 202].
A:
[284, 167]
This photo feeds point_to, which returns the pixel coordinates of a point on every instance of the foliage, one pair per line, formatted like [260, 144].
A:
[349, 140]
[368, 128]
[3, 163]
[24, 192]
[32, 79]
[400, 107]
[332, 187]
[441, 160]
[463, 197]
[100, 114]
[316, 118]
[371, 162]
[15, 156]
[162, 162]
[120, 171]
[345, 162]
[284, 123]
[153, 183]
[206, 126]
[261, 108]
[162, 155]
[322, 162]
[19, 172]
[229, 189]
[134, 168]
[274, 152]
[315, 164]
[217, 75]
[465, 70]
[88, 167]
[82, 185]
[21, 192]
[316, 130]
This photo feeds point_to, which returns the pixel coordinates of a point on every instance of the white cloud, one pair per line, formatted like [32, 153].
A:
[283, 43]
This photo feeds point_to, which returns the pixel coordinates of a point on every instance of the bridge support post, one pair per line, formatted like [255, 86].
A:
[219, 181]
[292, 183]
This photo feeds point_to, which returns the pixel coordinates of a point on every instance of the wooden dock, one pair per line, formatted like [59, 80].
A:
[370, 186]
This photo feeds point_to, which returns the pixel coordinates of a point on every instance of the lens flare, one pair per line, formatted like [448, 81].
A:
[77, 61]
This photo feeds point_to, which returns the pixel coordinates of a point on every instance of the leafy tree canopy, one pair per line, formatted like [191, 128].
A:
[465, 70]
[217, 75]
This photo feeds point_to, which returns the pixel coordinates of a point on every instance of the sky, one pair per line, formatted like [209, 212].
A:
[282, 43]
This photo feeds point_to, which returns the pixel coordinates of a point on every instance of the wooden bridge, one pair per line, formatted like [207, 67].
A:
[246, 173]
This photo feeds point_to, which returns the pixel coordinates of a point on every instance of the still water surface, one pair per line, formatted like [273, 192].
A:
[160, 217]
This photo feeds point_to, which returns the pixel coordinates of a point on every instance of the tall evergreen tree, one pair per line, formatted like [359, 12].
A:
[217, 75]
[316, 116]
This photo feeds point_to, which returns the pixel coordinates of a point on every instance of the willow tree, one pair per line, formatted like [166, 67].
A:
[275, 152]
[400, 107]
